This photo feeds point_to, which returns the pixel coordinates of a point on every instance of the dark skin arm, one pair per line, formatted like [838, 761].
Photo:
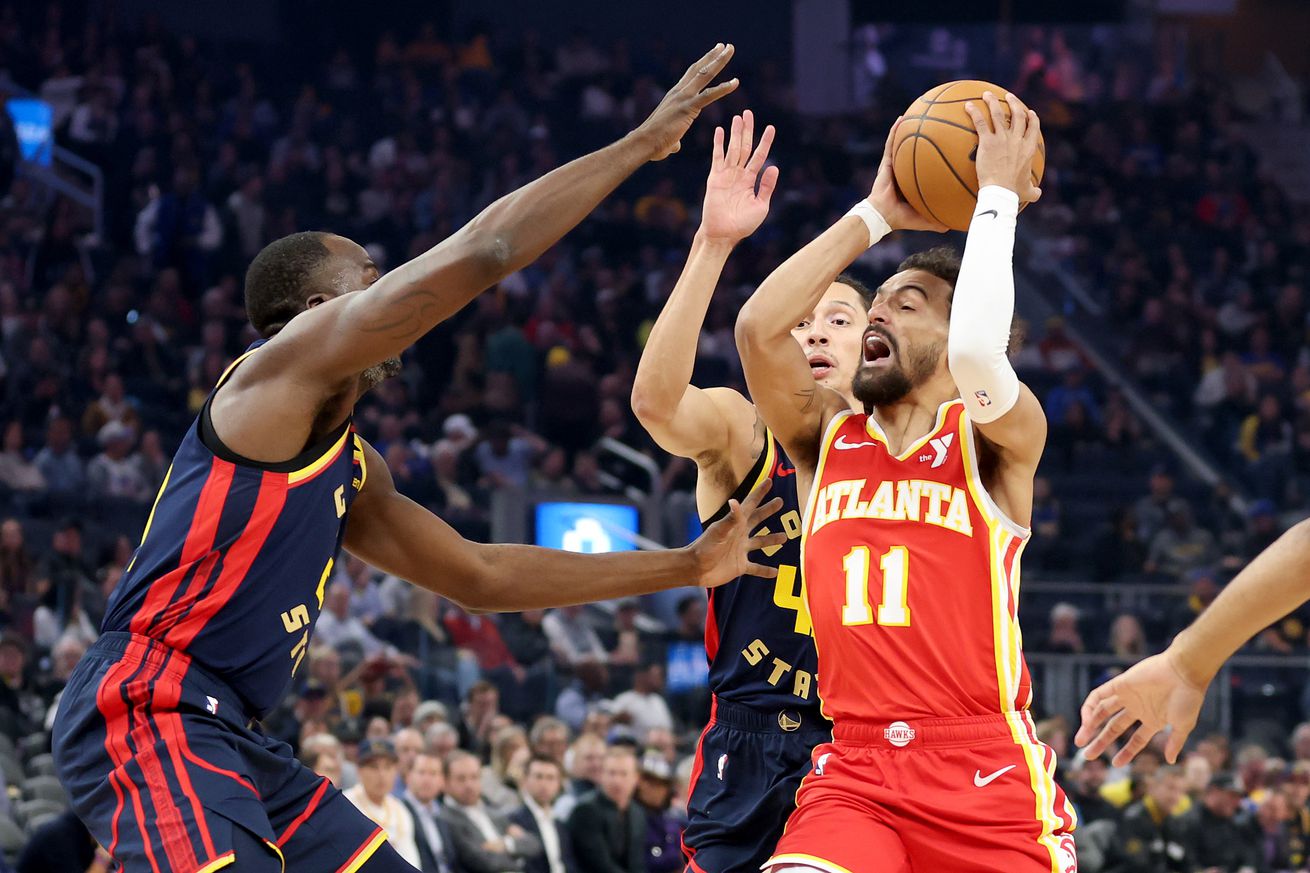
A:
[304, 381]
[396, 535]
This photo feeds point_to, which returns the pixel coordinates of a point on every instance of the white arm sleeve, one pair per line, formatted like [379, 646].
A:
[983, 308]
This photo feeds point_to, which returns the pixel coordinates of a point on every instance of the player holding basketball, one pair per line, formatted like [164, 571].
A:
[765, 717]
[914, 522]
[155, 738]
[1168, 689]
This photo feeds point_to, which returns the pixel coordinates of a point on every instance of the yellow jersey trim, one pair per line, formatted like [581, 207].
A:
[151, 517]
[363, 462]
[367, 852]
[873, 429]
[218, 863]
[324, 459]
[232, 366]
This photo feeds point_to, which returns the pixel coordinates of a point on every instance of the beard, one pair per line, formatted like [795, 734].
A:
[379, 373]
[892, 384]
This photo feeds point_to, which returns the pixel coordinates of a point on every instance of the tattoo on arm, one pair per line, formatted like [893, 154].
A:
[810, 395]
[404, 318]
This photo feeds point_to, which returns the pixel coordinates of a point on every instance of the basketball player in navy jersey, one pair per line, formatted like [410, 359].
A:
[765, 716]
[156, 738]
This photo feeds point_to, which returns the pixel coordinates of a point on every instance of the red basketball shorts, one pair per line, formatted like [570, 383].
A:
[966, 795]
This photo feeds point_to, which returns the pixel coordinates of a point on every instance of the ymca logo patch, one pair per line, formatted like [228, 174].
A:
[899, 734]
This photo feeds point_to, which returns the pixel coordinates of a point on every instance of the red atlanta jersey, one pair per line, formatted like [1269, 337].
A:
[912, 575]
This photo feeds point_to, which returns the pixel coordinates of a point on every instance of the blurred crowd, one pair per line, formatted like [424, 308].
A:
[469, 730]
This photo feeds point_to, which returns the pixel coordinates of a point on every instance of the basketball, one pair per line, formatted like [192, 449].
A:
[935, 149]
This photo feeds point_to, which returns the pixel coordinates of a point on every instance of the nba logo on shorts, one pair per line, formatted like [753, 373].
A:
[212, 704]
[899, 734]
[822, 762]
[723, 765]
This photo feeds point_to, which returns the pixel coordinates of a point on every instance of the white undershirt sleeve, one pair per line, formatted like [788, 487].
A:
[983, 308]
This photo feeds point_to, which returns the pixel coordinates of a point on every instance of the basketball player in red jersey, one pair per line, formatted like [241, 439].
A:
[917, 511]
[765, 717]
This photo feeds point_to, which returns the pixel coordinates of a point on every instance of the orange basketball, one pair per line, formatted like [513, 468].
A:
[935, 149]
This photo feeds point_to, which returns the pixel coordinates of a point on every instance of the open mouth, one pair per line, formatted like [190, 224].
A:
[877, 348]
[821, 365]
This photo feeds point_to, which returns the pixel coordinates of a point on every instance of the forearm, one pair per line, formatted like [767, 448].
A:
[791, 292]
[1271, 586]
[983, 308]
[514, 577]
[664, 372]
[506, 236]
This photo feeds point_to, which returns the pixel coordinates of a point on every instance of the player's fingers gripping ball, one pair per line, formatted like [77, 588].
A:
[934, 151]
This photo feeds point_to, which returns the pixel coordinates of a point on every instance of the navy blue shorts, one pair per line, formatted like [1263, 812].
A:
[161, 763]
[749, 766]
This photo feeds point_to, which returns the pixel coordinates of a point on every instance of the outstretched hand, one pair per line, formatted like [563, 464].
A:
[1152, 692]
[888, 200]
[723, 550]
[733, 209]
[1006, 146]
[673, 116]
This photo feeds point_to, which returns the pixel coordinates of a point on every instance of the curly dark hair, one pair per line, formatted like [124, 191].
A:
[281, 278]
[866, 293]
[940, 261]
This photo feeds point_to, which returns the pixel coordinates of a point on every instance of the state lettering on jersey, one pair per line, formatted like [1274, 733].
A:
[919, 500]
[801, 681]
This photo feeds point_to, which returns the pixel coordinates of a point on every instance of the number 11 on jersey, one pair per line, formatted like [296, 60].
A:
[894, 610]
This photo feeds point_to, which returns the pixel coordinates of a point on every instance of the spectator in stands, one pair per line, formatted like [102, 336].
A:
[484, 840]
[377, 777]
[180, 229]
[1222, 838]
[408, 744]
[501, 780]
[549, 738]
[663, 828]
[115, 473]
[64, 845]
[687, 673]
[17, 567]
[585, 761]
[1252, 768]
[505, 455]
[113, 405]
[20, 708]
[480, 635]
[572, 637]
[1083, 787]
[337, 626]
[18, 473]
[323, 754]
[1198, 774]
[422, 797]
[608, 827]
[1152, 511]
[643, 706]
[478, 718]
[1154, 839]
[441, 739]
[59, 463]
[1181, 545]
[1063, 635]
[1273, 849]
[542, 783]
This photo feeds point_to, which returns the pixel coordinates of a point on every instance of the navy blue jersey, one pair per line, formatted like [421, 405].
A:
[757, 634]
[235, 556]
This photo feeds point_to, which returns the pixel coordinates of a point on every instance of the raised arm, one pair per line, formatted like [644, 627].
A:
[396, 535]
[342, 337]
[1169, 688]
[1007, 413]
[683, 419]
[777, 373]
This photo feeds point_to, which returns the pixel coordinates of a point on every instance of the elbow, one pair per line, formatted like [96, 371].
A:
[491, 249]
[646, 406]
[749, 330]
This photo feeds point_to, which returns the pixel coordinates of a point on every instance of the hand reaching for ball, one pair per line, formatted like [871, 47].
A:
[1006, 145]
[888, 199]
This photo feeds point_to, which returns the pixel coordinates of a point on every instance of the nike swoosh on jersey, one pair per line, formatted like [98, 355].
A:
[783, 472]
[842, 444]
[981, 781]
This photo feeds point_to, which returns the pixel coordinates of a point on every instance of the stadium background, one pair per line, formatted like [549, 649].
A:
[1162, 283]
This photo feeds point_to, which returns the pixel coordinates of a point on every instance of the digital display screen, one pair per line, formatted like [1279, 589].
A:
[590, 528]
[33, 123]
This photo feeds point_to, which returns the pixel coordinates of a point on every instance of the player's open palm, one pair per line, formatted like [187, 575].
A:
[1152, 692]
[888, 199]
[733, 209]
[723, 551]
[673, 116]
[1006, 146]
